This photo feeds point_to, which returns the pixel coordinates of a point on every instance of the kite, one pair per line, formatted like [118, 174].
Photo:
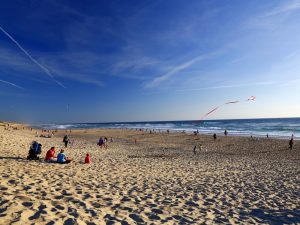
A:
[251, 98]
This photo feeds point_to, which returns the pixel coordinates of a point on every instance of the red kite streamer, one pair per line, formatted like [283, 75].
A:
[251, 98]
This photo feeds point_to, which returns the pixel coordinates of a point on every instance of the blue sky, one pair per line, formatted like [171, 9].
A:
[102, 61]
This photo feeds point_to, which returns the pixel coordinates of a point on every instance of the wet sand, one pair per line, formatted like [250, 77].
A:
[232, 180]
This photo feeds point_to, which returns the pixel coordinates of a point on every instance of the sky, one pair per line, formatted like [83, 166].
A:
[111, 61]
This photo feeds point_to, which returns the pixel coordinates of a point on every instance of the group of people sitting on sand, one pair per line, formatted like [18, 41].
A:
[61, 157]
[36, 149]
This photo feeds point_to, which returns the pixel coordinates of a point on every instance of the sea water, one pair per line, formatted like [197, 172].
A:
[275, 127]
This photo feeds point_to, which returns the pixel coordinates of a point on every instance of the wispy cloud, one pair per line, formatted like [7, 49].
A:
[287, 7]
[31, 58]
[158, 80]
[134, 64]
[272, 17]
[80, 67]
[12, 84]
[253, 84]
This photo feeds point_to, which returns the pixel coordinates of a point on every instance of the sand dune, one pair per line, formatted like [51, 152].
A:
[157, 180]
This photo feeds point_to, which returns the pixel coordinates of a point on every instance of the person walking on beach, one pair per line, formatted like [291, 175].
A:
[105, 142]
[101, 142]
[215, 136]
[225, 132]
[66, 140]
[291, 143]
[194, 150]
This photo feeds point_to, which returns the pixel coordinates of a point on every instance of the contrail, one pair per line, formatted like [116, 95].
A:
[6, 82]
[31, 58]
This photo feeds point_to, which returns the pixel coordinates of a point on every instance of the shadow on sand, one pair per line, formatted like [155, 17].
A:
[275, 217]
[11, 157]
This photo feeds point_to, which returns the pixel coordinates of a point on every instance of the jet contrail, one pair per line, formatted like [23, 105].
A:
[31, 58]
[6, 82]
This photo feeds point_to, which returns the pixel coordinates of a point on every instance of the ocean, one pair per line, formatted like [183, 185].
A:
[275, 127]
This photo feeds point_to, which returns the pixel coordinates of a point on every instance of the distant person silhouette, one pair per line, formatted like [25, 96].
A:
[66, 140]
[225, 132]
[291, 143]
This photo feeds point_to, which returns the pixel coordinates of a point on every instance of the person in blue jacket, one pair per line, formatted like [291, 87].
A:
[62, 158]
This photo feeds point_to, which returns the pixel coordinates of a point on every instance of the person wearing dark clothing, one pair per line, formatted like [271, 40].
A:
[215, 136]
[291, 143]
[34, 151]
[66, 140]
[225, 132]
[32, 155]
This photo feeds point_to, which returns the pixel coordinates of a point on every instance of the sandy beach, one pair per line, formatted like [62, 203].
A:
[157, 180]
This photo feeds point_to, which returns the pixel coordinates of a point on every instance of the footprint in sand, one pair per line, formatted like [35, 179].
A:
[136, 218]
[27, 204]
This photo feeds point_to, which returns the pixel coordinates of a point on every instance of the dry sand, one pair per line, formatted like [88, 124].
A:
[232, 180]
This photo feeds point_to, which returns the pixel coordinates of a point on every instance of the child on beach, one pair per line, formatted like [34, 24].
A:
[87, 158]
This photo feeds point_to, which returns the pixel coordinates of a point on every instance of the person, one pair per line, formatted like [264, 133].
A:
[194, 150]
[66, 140]
[101, 142]
[34, 151]
[87, 158]
[62, 158]
[215, 136]
[50, 155]
[105, 142]
[291, 143]
[225, 132]
[267, 135]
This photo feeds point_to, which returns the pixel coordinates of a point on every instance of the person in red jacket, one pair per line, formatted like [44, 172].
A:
[87, 158]
[50, 155]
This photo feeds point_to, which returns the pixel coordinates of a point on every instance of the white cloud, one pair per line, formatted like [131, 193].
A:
[248, 84]
[288, 6]
[158, 80]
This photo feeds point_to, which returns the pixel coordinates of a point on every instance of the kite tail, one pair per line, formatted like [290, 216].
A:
[251, 98]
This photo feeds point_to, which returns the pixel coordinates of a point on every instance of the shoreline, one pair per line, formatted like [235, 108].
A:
[281, 128]
[160, 131]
